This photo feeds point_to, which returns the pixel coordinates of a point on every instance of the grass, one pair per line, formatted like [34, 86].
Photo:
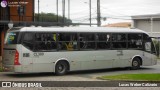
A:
[158, 58]
[133, 77]
[1, 70]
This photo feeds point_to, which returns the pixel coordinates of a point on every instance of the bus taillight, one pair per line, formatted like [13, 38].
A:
[16, 58]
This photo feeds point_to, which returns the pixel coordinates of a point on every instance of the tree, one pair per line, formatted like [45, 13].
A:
[51, 17]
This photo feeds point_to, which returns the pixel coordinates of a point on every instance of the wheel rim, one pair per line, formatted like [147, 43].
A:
[61, 68]
[135, 63]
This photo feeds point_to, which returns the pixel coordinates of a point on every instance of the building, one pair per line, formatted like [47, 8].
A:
[17, 11]
[149, 23]
[120, 24]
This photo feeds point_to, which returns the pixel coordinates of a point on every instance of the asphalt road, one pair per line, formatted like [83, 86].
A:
[76, 76]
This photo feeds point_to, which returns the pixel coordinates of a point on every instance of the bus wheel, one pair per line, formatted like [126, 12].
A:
[136, 64]
[61, 68]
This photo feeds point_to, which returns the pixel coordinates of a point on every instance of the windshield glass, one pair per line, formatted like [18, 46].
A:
[11, 38]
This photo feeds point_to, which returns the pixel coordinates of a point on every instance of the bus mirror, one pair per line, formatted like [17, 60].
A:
[148, 46]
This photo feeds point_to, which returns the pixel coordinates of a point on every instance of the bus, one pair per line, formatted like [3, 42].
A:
[64, 49]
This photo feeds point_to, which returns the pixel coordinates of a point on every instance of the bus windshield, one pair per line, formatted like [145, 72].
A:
[11, 38]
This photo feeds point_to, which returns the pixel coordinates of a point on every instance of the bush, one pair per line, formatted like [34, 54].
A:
[157, 44]
[1, 70]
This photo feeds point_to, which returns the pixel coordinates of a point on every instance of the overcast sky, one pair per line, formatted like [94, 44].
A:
[114, 10]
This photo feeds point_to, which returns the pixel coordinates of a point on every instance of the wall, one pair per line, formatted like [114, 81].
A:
[2, 42]
[146, 26]
[28, 16]
[11, 13]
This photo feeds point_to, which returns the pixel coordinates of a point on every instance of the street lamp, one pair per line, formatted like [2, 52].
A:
[10, 25]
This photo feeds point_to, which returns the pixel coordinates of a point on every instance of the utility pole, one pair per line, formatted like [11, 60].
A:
[57, 14]
[68, 9]
[63, 11]
[90, 12]
[98, 14]
[38, 11]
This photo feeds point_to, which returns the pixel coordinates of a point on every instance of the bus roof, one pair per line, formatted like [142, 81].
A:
[78, 29]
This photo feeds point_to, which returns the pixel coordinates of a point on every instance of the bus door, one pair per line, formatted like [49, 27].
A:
[149, 51]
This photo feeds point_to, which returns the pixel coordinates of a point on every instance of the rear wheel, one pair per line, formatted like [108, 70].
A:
[136, 64]
[61, 68]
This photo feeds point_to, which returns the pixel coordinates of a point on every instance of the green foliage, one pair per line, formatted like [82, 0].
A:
[50, 17]
[1, 69]
[134, 77]
[156, 43]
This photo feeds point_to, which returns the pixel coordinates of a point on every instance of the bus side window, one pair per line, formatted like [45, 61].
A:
[87, 41]
[45, 41]
[28, 40]
[119, 41]
[68, 41]
[135, 41]
[103, 40]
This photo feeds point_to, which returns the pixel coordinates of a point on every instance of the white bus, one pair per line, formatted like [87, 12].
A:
[59, 50]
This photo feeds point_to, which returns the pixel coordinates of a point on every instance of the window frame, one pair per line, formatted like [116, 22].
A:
[22, 40]
[58, 41]
[94, 41]
[142, 46]
[125, 41]
[53, 50]
[152, 44]
[98, 41]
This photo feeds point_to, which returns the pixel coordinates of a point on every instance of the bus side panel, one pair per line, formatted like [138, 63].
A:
[26, 60]
[126, 57]
[149, 59]
[105, 59]
[44, 61]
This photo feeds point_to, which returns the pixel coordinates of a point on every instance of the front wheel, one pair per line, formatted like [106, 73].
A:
[61, 68]
[135, 64]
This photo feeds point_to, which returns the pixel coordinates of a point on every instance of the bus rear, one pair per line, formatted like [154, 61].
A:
[11, 54]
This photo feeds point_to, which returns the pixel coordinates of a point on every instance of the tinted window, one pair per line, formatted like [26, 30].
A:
[119, 41]
[103, 41]
[148, 44]
[87, 41]
[28, 40]
[67, 41]
[45, 41]
[135, 41]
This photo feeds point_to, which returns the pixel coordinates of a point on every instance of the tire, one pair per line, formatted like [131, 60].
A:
[135, 64]
[61, 68]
